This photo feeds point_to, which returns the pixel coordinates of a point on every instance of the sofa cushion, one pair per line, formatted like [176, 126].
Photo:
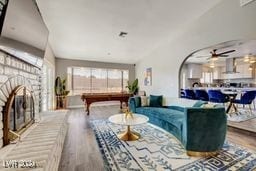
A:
[144, 101]
[182, 102]
[155, 101]
[171, 116]
[181, 109]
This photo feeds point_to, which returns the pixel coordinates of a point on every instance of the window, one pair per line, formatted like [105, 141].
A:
[114, 80]
[125, 79]
[96, 80]
[81, 79]
[99, 80]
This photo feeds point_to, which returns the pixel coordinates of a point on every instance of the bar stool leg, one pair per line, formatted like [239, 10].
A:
[250, 109]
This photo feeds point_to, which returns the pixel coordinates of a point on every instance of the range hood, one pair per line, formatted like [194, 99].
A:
[230, 66]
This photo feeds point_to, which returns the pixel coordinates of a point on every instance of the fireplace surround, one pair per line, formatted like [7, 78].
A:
[14, 73]
[18, 113]
[17, 102]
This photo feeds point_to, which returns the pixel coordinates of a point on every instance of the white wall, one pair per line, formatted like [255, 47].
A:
[226, 21]
[49, 55]
[49, 62]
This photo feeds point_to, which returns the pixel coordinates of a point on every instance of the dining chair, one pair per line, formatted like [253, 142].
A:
[202, 95]
[190, 94]
[246, 99]
[182, 93]
[216, 96]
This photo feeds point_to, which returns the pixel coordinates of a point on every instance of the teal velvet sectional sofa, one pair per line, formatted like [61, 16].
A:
[198, 129]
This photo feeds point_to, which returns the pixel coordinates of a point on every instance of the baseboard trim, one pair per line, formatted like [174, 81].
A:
[75, 106]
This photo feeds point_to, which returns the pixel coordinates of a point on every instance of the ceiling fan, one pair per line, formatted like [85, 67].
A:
[214, 56]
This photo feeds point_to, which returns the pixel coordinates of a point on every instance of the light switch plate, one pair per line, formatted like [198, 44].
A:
[245, 2]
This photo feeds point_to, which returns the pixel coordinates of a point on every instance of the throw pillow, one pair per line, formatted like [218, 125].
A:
[199, 103]
[137, 101]
[144, 101]
[155, 101]
[208, 105]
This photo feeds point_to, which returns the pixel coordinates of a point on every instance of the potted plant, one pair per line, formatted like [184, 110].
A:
[133, 88]
[61, 93]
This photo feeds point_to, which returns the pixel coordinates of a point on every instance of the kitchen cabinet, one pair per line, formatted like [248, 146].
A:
[242, 72]
[222, 73]
[217, 73]
[207, 77]
[194, 70]
[246, 73]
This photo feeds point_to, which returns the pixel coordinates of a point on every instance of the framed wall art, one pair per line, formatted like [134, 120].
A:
[148, 77]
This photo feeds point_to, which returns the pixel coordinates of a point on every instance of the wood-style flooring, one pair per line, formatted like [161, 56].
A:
[81, 152]
[249, 125]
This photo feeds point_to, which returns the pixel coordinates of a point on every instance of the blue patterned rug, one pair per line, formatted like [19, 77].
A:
[158, 150]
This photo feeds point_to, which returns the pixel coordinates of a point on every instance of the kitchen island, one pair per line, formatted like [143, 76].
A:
[238, 89]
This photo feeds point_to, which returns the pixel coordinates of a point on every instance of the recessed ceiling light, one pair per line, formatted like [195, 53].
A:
[246, 58]
[252, 61]
[250, 68]
[214, 58]
[212, 65]
[122, 34]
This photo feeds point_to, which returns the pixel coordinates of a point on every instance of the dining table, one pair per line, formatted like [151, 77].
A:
[232, 96]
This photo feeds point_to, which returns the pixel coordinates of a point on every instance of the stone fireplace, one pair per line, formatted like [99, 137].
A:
[20, 97]
[18, 113]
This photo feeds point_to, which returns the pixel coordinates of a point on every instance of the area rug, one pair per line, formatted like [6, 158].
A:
[158, 150]
[241, 115]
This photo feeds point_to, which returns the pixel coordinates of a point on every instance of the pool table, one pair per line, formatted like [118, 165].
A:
[89, 98]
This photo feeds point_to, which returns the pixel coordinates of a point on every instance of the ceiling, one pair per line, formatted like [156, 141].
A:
[88, 30]
[23, 23]
[242, 48]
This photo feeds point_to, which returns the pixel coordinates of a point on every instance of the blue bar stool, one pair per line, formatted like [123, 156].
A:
[182, 93]
[190, 94]
[246, 99]
[202, 95]
[216, 96]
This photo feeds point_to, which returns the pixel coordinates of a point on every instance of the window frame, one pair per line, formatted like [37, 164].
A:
[122, 79]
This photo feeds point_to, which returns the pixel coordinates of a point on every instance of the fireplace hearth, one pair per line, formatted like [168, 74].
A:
[18, 113]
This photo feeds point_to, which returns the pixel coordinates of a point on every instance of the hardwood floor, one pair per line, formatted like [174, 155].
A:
[242, 138]
[249, 125]
[81, 152]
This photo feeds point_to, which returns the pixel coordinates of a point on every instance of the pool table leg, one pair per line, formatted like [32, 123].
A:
[88, 108]
[121, 102]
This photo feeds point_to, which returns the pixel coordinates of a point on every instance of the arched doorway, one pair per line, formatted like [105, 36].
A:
[228, 64]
